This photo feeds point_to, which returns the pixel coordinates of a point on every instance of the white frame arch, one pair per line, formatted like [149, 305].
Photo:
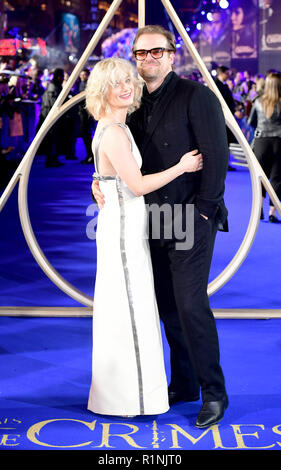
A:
[22, 173]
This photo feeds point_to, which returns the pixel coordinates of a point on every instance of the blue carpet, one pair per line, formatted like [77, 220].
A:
[45, 364]
[59, 204]
[45, 378]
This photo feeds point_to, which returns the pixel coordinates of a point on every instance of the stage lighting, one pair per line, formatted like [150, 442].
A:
[224, 4]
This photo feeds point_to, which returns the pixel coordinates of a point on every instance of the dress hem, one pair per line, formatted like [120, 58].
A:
[124, 413]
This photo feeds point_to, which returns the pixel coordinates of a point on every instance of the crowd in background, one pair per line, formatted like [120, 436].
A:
[239, 89]
[28, 93]
[26, 96]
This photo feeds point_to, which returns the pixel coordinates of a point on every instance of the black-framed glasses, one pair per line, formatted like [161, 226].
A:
[156, 53]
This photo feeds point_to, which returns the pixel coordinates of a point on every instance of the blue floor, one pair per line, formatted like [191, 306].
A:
[45, 378]
[60, 212]
[45, 363]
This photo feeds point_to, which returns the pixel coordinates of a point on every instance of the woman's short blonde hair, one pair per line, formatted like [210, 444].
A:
[104, 74]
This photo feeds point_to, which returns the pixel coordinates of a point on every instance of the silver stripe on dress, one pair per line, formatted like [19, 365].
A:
[129, 291]
[97, 176]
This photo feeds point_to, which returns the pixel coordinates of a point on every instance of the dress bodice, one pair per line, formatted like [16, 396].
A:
[96, 143]
[105, 180]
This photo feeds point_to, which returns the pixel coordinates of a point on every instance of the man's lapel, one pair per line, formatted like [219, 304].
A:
[159, 111]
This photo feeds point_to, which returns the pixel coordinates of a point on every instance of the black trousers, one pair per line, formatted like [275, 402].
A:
[52, 144]
[268, 153]
[86, 132]
[181, 280]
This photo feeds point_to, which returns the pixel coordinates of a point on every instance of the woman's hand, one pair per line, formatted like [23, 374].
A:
[191, 161]
[98, 195]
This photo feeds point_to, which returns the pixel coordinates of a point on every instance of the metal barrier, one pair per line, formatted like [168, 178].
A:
[238, 155]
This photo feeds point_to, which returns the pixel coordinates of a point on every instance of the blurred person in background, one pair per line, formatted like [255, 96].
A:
[50, 144]
[85, 120]
[265, 117]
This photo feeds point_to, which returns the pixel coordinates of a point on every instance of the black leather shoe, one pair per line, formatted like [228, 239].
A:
[175, 397]
[211, 413]
[272, 219]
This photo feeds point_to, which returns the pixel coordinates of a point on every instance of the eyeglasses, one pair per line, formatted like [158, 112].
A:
[156, 53]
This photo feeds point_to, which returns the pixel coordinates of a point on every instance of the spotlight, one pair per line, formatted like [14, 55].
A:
[210, 16]
[72, 58]
[198, 26]
[224, 4]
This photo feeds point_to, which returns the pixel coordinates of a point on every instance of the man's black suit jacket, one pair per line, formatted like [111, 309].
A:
[187, 116]
[226, 93]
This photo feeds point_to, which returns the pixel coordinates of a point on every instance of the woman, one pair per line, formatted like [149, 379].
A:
[266, 117]
[128, 376]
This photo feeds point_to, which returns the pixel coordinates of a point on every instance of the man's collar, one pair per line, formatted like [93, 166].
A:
[156, 93]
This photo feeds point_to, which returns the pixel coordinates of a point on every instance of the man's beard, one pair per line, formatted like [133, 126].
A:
[149, 74]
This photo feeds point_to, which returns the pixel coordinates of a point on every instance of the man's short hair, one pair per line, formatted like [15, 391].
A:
[157, 29]
[222, 69]
[58, 73]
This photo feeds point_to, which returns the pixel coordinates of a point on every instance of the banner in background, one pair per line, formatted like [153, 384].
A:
[215, 39]
[70, 32]
[270, 25]
[244, 21]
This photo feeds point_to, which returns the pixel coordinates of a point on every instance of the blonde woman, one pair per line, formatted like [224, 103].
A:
[128, 373]
[266, 117]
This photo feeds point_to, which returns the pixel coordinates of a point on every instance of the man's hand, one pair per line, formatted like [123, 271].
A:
[98, 195]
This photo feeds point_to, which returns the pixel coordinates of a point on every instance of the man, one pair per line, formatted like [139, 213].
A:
[85, 120]
[177, 116]
[220, 81]
[51, 142]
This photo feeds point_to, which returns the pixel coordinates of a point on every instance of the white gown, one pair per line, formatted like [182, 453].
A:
[128, 373]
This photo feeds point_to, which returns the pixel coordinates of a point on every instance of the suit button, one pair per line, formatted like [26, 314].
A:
[166, 144]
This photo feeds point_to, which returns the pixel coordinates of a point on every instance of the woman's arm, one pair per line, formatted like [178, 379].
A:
[116, 148]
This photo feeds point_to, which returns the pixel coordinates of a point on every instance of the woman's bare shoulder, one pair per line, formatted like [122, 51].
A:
[115, 134]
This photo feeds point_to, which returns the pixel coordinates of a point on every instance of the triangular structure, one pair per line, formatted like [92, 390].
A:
[23, 170]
